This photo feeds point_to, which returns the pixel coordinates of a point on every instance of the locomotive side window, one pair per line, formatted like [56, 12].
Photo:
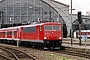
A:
[30, 29]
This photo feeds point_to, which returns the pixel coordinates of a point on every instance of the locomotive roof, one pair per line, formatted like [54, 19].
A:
[27, 26]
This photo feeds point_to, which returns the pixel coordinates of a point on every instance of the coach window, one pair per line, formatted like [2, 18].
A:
[3, 33]
[15, 32]
[0, 33]
[10, 33]
[30, 29]
[7, 33]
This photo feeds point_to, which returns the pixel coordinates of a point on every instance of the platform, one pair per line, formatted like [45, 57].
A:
[83, 46]
[77, 46]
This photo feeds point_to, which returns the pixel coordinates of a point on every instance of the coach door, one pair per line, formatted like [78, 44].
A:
[12, 35]
[6, 34]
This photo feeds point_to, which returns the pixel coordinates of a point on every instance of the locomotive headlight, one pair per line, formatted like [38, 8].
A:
[60, 37]
[45, 37]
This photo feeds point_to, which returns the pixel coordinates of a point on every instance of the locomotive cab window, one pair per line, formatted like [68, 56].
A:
[52, 27]
[56, 27]
[48, 27]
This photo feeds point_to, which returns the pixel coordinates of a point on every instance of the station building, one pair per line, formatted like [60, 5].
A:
[25, 11]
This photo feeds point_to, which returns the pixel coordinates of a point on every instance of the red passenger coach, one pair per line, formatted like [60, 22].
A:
[46, 35]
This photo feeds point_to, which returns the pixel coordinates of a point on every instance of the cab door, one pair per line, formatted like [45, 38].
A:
[41, 32]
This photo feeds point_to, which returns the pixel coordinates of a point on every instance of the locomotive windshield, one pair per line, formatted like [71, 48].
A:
[52, 27]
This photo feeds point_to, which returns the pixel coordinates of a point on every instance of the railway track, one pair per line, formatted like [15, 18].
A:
[15, 54]
[84, 53]
[4, 57]
[76, 43]
[76, 52]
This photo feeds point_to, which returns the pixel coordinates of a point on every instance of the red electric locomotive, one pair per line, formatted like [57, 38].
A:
[48, 35]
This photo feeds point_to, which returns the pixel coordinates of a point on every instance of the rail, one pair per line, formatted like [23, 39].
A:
[17, 54]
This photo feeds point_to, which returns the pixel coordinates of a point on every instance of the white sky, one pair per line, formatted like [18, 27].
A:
[78, 5]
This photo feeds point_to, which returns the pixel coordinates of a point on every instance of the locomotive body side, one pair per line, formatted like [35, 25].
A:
[31, 33]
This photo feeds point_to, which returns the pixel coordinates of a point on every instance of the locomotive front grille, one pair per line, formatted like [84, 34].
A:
[53, 43]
